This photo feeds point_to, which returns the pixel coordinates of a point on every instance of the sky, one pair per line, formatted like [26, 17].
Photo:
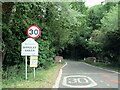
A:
[91, 3]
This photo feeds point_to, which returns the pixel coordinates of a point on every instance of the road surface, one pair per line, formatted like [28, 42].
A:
[81, 75]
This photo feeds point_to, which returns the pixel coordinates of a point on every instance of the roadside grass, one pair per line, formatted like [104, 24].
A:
[103, 65]
[0, 85]
[45, 78]
[0, 78]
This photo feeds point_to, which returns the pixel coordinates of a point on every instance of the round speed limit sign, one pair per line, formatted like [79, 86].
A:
[33, 31]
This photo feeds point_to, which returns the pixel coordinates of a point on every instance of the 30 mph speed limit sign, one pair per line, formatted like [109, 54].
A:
[33, 31]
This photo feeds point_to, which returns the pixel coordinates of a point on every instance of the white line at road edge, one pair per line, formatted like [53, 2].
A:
[59, 77]
[101, 68]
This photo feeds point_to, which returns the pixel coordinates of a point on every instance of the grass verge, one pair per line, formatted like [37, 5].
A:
[45, 78]
[103, 65]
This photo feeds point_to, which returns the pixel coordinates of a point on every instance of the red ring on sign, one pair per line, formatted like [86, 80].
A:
[37, 35]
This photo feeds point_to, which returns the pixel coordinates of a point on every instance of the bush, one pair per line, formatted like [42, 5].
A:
[15, 72]
[88, 61]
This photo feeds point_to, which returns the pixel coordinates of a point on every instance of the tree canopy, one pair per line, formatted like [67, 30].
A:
[69, 29]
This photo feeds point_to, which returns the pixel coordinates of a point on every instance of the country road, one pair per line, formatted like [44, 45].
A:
[81, 75]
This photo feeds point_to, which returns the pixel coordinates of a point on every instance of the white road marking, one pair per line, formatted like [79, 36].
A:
[108, 85]
[101, 81]
[101, 68]
[89, 73]
[91, 83]
[86, 80]
[59, 77]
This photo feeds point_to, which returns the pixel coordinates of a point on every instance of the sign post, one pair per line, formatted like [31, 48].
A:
[34, 72]
[30, 47]
[26, 67]
[33, 62]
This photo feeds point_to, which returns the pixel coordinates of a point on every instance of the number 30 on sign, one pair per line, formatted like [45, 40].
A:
[33, 31]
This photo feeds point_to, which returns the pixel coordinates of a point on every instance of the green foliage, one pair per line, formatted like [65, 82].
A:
[110, 20]
[94, 47]
[42, 77]
[68, 29]
[15, 72]
[97, 36]
[107, 35]
[94, 15]
[112, 47]
[54, 19]
[111, 34]
[79, 6]
[104, 65]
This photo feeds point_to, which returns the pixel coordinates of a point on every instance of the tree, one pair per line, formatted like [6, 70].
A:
[111, 34]
[53, 18]
[94, 15]
[110, 20]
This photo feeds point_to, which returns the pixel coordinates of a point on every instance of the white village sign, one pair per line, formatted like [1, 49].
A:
[29, 47]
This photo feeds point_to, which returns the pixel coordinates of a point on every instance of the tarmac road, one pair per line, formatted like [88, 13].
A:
[81, 75]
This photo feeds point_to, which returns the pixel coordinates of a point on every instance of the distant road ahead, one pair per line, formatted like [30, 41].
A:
[81, 75]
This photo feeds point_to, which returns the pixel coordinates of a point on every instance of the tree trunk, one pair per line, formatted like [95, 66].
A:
[3, 56]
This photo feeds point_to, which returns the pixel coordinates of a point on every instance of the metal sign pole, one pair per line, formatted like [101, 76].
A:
[26, 66]
[34, 72]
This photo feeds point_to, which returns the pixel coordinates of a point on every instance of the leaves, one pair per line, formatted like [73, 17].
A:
[65, 27]
[54, 19]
